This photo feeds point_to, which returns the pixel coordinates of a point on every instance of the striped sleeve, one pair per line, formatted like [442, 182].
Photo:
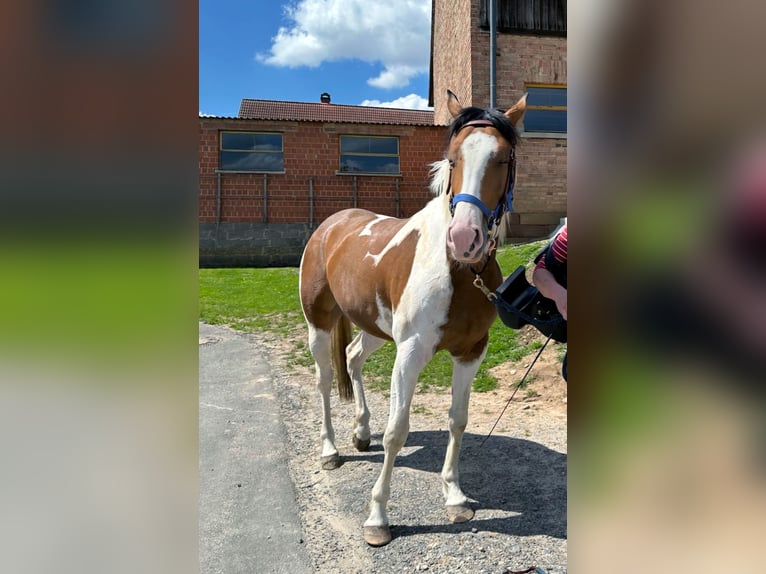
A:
[559, 247]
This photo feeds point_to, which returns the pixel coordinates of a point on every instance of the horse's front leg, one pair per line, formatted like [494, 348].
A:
[411, 357]
[463, 373]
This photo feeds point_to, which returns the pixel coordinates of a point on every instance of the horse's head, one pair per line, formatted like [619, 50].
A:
[482, 170]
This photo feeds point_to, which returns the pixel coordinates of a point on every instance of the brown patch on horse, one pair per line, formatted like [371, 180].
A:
[331, 286]
[470, 314]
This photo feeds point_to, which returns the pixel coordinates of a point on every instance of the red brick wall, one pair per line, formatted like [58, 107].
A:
[451, 53]
[311, 151]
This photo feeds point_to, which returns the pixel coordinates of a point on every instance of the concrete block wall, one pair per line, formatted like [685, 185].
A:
[252, 244]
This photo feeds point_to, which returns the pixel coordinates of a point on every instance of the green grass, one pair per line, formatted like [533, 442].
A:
[266, 300]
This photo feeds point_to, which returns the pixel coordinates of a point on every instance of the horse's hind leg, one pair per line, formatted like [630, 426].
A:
[463, 373]
[357, 353]
[320, 344]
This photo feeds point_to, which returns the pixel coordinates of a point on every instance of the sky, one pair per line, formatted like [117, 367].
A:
[362, 52]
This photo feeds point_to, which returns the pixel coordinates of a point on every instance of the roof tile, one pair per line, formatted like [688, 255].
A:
[321, 112]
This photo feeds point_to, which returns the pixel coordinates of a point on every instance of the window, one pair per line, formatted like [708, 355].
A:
[251, 151]
[369, 154]
[546, 108]
[538, 17]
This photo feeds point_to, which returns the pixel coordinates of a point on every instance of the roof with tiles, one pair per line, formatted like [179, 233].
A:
[328, 112]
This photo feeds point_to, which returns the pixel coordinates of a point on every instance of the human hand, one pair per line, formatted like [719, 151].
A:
[561, 303]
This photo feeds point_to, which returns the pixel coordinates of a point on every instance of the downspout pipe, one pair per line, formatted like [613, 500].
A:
[218, 200]
[492, 53]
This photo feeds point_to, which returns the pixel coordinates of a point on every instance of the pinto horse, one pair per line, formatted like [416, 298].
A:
[413, 281]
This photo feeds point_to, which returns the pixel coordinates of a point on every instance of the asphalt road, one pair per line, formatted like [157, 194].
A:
[249, 521]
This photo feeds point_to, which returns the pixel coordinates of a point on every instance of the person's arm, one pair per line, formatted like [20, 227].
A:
[548, 287]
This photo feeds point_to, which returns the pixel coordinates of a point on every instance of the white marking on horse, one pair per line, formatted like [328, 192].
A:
[368, 228]
[477, 149]
[385, 316]
[429, 285]
[395, 241]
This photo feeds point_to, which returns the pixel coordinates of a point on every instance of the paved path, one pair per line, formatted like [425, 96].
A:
[249, 521]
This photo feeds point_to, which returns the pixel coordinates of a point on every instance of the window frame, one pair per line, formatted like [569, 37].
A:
[342, 154]
[221, 150]
[544, 133]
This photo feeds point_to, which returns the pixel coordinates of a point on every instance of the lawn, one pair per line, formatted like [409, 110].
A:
[266, 300]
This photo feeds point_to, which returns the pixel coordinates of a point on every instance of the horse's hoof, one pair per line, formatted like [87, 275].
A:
[459, 513]
[331, 462]
[377, 535]
[361, 445]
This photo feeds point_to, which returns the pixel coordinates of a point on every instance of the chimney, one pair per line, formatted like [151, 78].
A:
[324, 98]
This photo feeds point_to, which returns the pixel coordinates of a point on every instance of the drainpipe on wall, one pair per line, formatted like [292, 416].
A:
[218, 200]
[492, 52]
[311, 203]
[265, 198]
[396, 198]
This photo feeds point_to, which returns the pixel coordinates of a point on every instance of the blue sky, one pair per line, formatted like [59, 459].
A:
[363, 52]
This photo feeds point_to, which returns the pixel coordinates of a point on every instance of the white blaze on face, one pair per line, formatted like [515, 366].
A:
[466, 234]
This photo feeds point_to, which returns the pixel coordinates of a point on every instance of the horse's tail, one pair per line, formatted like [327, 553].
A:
[341, 337]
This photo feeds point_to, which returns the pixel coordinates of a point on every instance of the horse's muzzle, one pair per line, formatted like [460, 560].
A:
[466, 242]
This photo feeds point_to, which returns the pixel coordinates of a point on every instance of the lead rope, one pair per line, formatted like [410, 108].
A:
[478, 282]
[518, 386]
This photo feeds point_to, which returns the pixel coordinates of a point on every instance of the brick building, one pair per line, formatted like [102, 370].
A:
[530, 58]
[269, 176]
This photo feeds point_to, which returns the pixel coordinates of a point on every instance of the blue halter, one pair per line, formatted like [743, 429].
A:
[505, 204]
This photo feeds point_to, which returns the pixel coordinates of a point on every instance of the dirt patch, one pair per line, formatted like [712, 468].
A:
[517, 478]
[544, 390]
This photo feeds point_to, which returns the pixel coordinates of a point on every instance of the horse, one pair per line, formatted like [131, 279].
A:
[414, 282]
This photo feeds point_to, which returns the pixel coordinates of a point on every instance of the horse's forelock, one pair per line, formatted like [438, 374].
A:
[498, 119]
[439, 176]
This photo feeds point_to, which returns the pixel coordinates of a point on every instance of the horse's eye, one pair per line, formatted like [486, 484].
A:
[451, 162]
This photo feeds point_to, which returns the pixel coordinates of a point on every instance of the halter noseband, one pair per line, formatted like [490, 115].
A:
[505, 204]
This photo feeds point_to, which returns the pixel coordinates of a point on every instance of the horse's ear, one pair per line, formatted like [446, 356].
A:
[453, 104]
[515, 112]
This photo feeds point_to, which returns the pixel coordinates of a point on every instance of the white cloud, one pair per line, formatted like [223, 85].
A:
[395, 33]
[409, 102]
[393, 77]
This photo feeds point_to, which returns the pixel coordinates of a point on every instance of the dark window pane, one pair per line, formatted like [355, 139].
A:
[545, 121]
[237, 140]
[384, 145]
[368, 164]
[354, 144]
[249, 141]
[268, 142]
[545, 17]
[546, 96]
[244, 161]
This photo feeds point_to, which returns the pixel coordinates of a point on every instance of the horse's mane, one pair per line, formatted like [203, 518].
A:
[440, 176]
[440, 169]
